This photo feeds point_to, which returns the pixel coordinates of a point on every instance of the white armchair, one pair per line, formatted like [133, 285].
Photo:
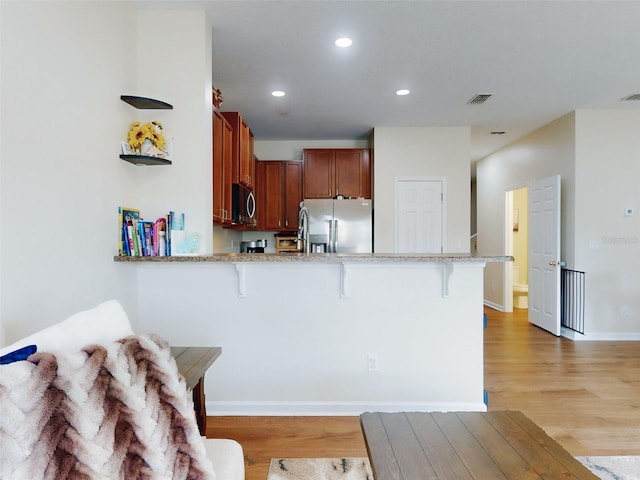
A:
[104, 325]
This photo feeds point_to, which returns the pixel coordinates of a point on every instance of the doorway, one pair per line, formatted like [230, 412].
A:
[517, 241]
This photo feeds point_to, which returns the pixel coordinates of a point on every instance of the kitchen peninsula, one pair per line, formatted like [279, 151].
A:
[317, 334]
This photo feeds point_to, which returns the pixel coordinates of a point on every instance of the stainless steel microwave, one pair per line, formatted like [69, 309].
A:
[243, 205]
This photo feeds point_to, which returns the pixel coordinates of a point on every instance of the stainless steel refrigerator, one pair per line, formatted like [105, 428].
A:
[340, 226]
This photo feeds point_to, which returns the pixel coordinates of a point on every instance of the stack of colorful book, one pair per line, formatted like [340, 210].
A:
[141, 238]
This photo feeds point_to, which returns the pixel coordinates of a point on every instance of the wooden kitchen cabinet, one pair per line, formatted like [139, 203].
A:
[293, 193]
[243, 161]
[279, 193]
[318, 173]
[222, 168]
[270, 195]
[353, 173]
[339, 171]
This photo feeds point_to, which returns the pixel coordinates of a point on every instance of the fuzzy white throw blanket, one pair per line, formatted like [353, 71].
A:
[119, 411]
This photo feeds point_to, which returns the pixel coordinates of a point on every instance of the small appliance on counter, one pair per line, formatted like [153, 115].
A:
[255, 246]
[286, 243]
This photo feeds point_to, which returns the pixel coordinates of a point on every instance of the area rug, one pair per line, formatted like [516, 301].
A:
[351, 468]
[623, 467]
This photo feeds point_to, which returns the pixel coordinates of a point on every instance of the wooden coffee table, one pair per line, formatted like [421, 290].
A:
[193, 363]
[464, 445]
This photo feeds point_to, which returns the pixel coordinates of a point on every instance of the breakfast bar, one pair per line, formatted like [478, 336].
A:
[323, 334]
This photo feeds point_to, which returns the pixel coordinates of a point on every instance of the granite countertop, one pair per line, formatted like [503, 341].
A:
[327, 258]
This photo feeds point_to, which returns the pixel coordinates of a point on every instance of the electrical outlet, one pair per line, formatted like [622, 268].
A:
[372, 362]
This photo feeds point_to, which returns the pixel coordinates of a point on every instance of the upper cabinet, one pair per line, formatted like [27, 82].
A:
[243, 159]
[318, 173]
[278, 194]
[341, 171]
[222, 168]
[292, 193]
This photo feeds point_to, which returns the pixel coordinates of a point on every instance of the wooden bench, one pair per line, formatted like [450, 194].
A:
[464, 445]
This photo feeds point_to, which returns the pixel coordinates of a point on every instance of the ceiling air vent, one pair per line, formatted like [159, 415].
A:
[630, 98]
[479, 98]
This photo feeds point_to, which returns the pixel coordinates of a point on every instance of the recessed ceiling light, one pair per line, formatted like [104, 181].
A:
[343, 42]
[277, 93]
[402, 91]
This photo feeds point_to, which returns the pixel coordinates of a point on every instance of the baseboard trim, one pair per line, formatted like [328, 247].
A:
[571, 334]
[329, 409]
[495, 306]
[609, 337]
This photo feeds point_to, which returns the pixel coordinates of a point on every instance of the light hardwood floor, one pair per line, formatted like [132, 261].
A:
[585, 395]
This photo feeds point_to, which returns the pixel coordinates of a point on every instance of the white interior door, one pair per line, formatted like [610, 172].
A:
[544, 254]
[419, 216]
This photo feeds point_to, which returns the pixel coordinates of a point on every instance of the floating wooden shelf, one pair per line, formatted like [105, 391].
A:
[145, 160]
[144, 103]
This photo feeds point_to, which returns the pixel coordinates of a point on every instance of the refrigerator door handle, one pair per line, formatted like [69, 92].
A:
[330, 245]
[335, 236]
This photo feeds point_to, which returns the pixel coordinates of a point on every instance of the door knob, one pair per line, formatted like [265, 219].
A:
[553, 264]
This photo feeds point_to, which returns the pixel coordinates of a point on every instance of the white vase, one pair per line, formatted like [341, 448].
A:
[146, 145]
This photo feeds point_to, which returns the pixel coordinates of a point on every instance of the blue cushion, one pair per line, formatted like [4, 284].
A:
[17, 355]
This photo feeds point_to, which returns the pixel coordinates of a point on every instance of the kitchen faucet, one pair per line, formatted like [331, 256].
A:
[303, 228]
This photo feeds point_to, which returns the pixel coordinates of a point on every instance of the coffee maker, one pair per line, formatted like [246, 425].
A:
[255, 246]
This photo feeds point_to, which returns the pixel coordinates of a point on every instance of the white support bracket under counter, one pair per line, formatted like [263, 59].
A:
[447, 270]
[344, 293]
[445, 277]
[241, 274]
[242, 284]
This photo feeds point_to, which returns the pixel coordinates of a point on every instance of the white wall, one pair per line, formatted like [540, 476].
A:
[293, 345]
[596, 154]
[226, 240]
[64, 66]
[179, 72]
[292, 150]
[545, 152]
[422, 152]
[607, 245]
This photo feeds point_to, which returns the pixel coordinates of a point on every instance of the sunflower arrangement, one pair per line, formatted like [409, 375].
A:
[139, 132]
